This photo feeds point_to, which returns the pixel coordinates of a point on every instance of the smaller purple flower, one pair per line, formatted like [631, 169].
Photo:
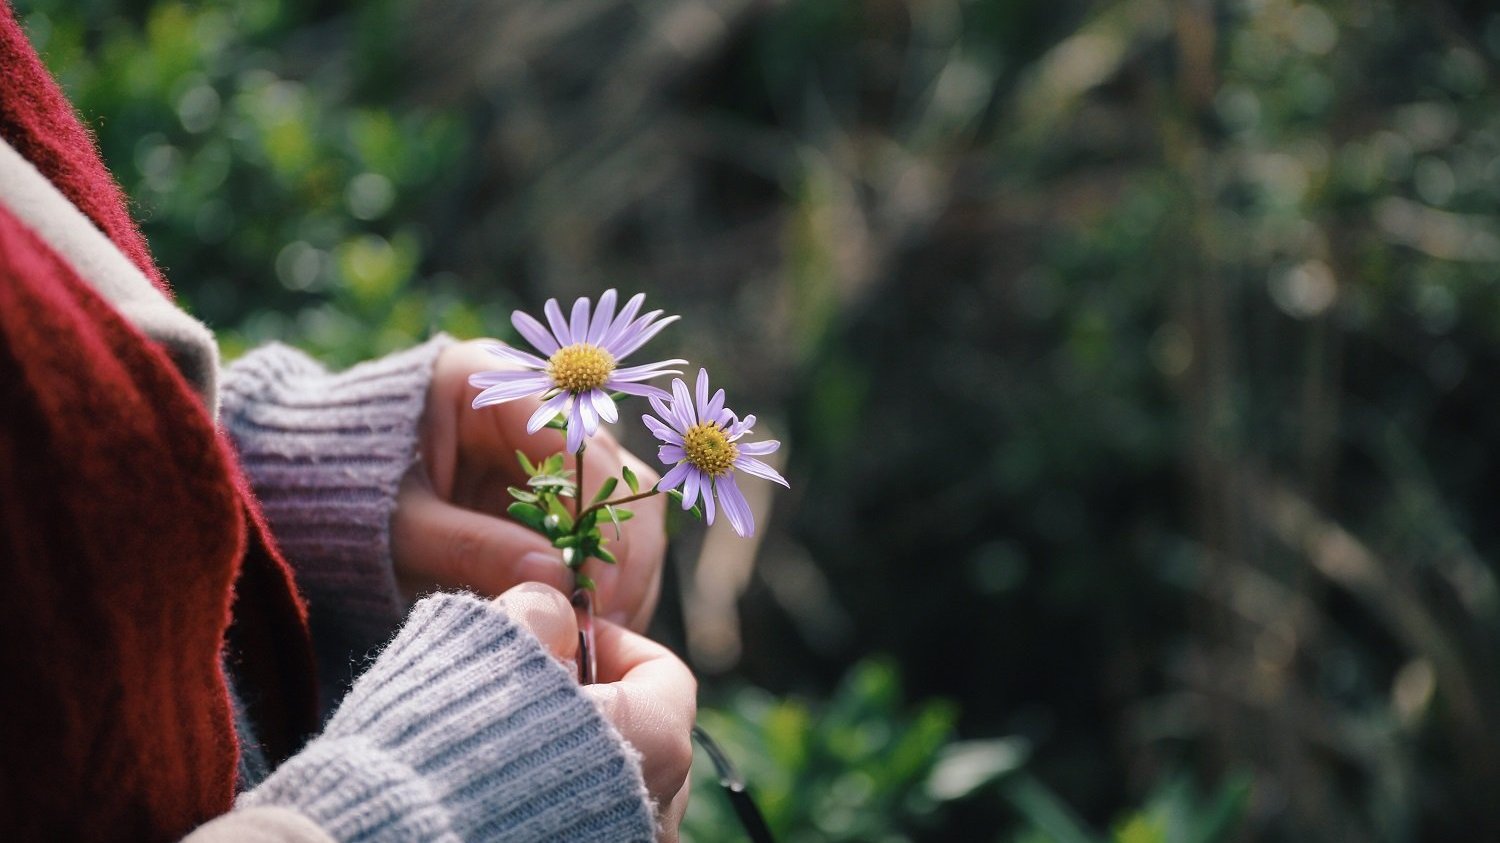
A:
[582, 364]
[702, 439]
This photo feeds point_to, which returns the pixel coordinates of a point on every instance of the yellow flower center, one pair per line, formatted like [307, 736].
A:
[709, 449]
[580, 367]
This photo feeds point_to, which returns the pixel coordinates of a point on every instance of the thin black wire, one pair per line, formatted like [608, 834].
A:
[734, 786]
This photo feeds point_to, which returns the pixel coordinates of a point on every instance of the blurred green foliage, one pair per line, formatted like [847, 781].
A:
[282, 203]
[1136, 360]
[1174, 813]
[850, 768]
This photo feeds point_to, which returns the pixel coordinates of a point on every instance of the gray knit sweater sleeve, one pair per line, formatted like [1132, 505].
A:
[325, 453]
[464, 729]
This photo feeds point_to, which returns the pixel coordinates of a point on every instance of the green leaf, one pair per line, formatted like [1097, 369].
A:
[617, 397]
[560, 512]
[569, 540]
[696, 509]
[553, 464]
[606, 490]
[625, 514]
[558, 485]
[1046, 812]
[614, 516]
[525, 463]
[1227, 811]
[557, 424]
[588, 521]
[583, 581]
[522, 495]
[630, 479]
[527, 513]
[965, 766]
[605, 555]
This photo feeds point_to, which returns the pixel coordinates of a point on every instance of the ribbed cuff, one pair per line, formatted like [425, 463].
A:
[326, 454]
[465, 729]
[260, 825]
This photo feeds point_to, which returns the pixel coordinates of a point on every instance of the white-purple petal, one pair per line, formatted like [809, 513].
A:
[741, 427]
[735, 506]
[604, 405]
[662, 432]
[622, 321]
[708, 501]
[559, 324]
[532, 330]
[682, 403]
[644, 390]
[587, 414]
[670, 453]
[695, 479]
[759, 449]
[673, 478]
[483, 380]
[626, 334]
[604, 311]
[624, 347]
[580, 323]
[575, 428]
[502, 392]
[701, 395]
[515, 355]
[715, 405]
[664, 411]
[648, 370]
[751, 465]
[547, 412]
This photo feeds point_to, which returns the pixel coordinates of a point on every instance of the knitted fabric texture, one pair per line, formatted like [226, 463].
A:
[326, 454]
[465, 730]
[260, 825]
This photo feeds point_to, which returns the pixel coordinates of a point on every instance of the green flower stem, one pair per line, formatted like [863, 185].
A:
[583, 597]
[578, 500]
[617, 501]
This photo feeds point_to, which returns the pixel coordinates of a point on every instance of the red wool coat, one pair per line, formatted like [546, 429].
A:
[133, 557]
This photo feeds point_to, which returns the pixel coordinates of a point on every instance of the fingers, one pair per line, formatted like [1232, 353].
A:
[547, 614]
[437, 544]
[652, 699]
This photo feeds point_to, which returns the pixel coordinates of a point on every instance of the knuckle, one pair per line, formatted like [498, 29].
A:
[680, 758]
[463, 548]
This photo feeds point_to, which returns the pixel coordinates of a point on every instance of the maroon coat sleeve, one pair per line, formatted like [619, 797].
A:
[127, 534]
[120, 538]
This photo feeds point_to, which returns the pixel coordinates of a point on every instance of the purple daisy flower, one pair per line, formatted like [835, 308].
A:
[702, 438]
[582, 364]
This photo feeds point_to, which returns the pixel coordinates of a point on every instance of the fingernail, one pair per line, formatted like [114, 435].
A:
[541, 567]
[617, 618]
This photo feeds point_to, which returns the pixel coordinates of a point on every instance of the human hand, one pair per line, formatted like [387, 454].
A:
[644, 690]
[449, 528]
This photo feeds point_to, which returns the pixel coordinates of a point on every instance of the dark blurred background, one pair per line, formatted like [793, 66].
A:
[1136, 361]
